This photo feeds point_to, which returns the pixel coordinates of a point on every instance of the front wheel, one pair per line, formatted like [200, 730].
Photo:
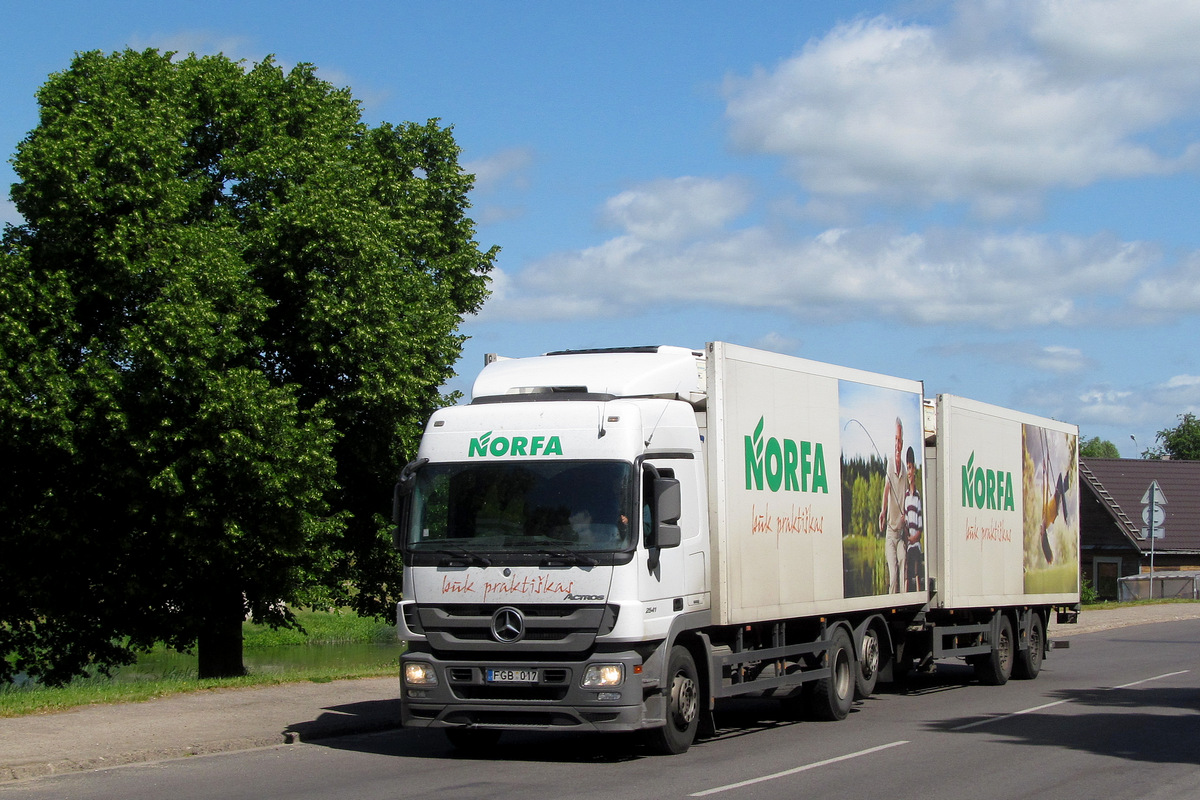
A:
[683, 705]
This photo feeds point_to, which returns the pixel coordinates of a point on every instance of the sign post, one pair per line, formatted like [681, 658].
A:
[1153, 515]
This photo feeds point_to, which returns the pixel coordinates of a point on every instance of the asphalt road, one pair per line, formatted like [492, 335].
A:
[1116, 715]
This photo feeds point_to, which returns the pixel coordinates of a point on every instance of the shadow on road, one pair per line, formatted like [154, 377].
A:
[1154, 725]
[735, 718]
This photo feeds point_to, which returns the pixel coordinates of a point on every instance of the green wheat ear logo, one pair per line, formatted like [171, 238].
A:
[483, 440]
[758, 439]
[971, 463]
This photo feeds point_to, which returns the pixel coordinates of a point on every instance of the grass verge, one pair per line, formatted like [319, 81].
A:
[320, 628]
[1101, 605]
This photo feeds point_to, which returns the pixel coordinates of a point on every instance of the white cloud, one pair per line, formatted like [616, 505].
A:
[504, 168]
[936, 277]
[1173, 292]
[1053, 359]
[1141, 410]
[671, 210]
[777, 343]
[199, 42]
[977, 112]
[1147, 36]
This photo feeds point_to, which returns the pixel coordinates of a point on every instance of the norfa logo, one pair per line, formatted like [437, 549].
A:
[785, 465]
[486, 445]
[986, 488]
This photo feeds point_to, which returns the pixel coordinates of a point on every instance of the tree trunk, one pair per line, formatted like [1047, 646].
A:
[220, 640]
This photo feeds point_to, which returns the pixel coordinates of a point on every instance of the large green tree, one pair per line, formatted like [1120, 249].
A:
[229, 310]
[1181, 443]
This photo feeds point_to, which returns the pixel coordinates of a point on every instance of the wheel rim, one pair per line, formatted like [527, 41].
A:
[1006, 650]
[684, 700]
[870, 655]
[1035, 645]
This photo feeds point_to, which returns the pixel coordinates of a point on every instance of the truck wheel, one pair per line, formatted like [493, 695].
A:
[833, 696]
[473, 741]
[869, 659]
[995, 668]
[683, 705]
[1029, 662]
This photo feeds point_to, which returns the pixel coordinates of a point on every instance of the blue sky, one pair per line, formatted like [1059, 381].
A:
[998, 198]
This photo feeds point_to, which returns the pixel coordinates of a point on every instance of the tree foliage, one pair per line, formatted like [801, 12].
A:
[1096, 447]
[1181, 443]
[224, 322]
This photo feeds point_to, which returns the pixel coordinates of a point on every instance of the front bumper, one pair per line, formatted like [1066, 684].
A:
[462, 697]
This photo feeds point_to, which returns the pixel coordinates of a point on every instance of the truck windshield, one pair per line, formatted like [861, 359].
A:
[524, 505]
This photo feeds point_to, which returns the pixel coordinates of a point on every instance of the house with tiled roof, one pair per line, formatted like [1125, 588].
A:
[1113, 519]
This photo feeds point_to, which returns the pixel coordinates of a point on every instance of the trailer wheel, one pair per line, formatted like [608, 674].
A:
[473, 741]
[995, 668]
[683, 705]
[1029, 662]
[833, 696]
[869, 659]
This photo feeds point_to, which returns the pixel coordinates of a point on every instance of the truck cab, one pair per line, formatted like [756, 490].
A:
[554, 531]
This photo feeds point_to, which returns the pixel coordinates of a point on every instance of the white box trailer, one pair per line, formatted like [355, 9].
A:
[617, 539]
[788, 538]
[1007, 491]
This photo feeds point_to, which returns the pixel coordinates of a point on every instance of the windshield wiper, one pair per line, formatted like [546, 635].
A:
[466, 556]
[568, 557]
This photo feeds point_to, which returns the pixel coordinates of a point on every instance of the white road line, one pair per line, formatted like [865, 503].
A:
[987, 720]
[795, 770]
[1155, 678]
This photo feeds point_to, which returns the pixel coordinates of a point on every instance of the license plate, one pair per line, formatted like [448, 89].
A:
[512, 676]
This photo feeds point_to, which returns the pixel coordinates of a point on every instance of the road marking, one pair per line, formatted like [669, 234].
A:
[1002, 717]
[795, 770]
[1155, 678]
[986, 720]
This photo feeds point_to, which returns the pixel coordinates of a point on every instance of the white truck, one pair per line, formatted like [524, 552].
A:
[615, 540]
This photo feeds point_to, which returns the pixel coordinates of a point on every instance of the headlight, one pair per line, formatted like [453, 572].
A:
[419, 673]
[599, 675]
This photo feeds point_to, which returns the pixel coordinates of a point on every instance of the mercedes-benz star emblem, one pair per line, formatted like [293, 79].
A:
[508, 625]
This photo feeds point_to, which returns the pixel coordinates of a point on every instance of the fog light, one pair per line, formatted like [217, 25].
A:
[418, 694]
[608, 696]
[418, 673]
[598, 675]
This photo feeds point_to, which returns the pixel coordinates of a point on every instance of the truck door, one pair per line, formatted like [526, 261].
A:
[680, 572]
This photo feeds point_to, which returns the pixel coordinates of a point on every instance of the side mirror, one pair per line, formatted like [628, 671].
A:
[401, 499]
[668, 505]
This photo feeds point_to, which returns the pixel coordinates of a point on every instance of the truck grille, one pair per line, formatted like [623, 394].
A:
[547, 628]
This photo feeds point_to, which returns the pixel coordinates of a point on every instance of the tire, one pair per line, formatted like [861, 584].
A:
[996, 668]
[473, 741]
[1029, 662]
[683, 705]
[833, 696]
[870, 657]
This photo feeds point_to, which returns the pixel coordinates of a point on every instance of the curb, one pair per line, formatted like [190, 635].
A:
[40, 769]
